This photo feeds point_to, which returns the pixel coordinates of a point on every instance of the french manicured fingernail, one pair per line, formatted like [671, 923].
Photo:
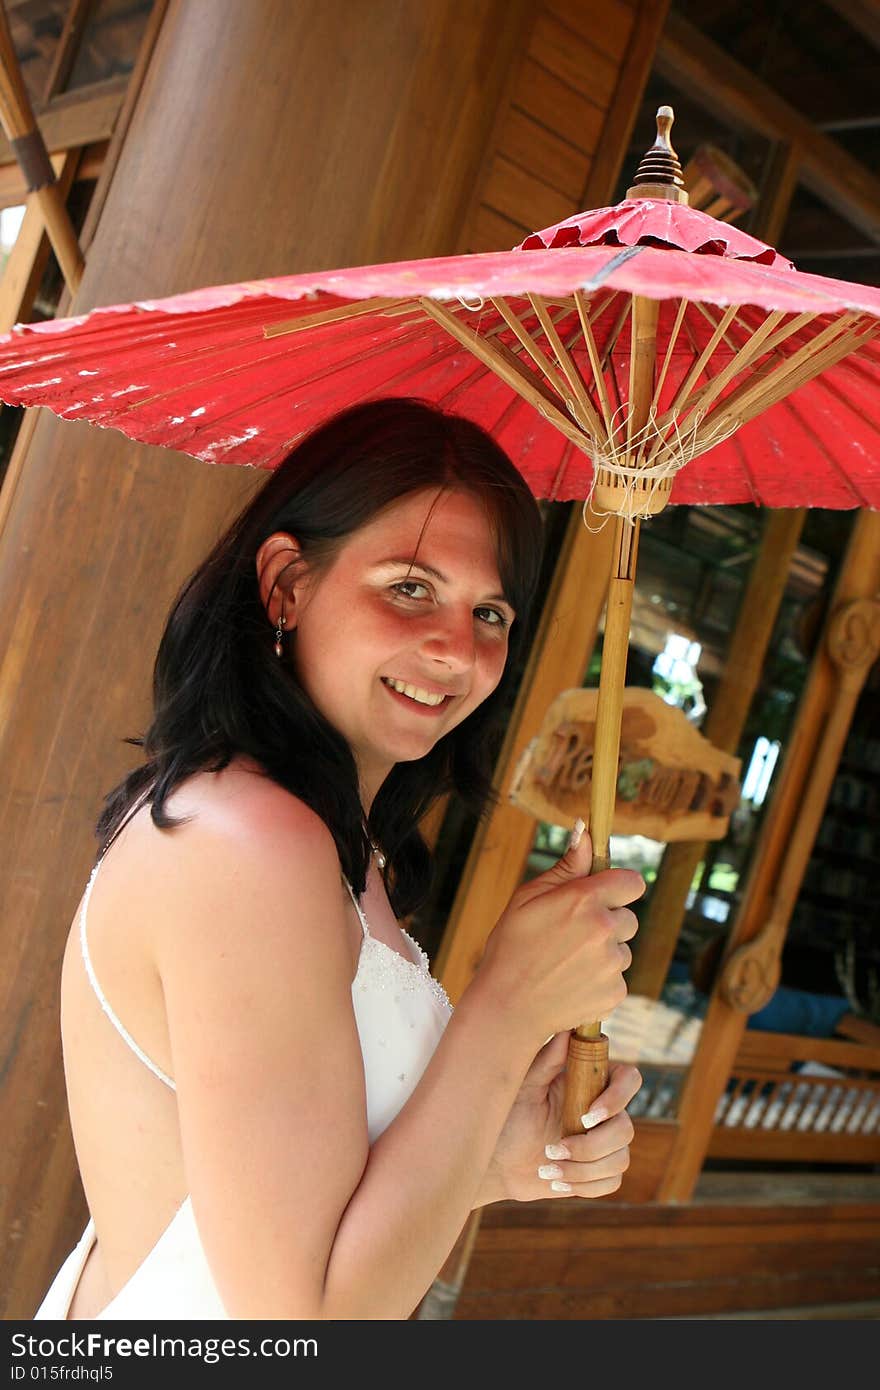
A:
[561, 1186]
[549, 1170]
[557, 1151]
[593, 1117]
[576, 833]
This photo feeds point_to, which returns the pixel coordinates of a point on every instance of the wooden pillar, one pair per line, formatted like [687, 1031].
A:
[724, 1025]
[266, 138]
[655, 943]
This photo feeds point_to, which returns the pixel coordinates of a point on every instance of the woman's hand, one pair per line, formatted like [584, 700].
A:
[529, 1161]
[557, 954]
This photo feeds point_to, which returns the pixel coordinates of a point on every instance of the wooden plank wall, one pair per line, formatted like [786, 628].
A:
[577, 63]
[552, 1260]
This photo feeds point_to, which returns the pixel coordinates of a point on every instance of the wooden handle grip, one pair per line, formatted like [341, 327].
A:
[586, 1077]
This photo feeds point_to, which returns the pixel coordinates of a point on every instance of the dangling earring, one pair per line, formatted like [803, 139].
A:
[279, 633]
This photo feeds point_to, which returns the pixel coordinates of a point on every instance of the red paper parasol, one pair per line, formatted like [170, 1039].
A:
[236, 373]
[622, 354]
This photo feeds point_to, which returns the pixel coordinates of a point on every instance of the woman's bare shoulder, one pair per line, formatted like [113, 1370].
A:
[243, 842]
[241, 803]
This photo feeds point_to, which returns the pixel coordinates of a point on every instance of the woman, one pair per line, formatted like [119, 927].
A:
[276, 1113]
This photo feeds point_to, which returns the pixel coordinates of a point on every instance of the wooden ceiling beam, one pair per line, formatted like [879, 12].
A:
[861, 15]
[76, 119]
[708, 75]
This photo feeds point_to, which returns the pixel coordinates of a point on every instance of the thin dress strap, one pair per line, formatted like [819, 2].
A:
[93, 979]
[360, 912]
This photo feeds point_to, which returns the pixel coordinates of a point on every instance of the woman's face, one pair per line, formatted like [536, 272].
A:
[413, 599]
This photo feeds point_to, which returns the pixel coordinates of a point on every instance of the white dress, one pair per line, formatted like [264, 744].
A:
[401, 1012]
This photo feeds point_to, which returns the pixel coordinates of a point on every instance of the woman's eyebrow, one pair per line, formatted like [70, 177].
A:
[413, 563]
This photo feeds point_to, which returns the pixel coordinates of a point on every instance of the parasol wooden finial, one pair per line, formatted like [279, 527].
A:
[659, 174]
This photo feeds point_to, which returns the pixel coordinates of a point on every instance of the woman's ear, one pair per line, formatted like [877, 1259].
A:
[278, 565]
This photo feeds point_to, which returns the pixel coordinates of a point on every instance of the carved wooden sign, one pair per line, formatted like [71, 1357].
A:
[672, 784]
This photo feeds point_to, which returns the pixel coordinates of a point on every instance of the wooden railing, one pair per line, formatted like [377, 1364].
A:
[788, 1099]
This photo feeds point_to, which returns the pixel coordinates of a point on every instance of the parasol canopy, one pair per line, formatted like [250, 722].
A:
[237, 373]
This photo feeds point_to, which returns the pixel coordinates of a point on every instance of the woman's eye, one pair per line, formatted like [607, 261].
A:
[405, 584]
[491, 617]
[494, 619]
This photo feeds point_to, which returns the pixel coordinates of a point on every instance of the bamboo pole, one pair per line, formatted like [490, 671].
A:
[587, 1069]
[23, 134]
[659, 177]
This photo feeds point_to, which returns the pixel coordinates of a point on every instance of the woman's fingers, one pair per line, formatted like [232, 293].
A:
[600, 1188]
[571, 1178]
[624, 1081]
[606, 1138]
[626, 923]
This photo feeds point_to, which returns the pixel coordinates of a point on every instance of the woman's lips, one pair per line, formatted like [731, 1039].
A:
[415, 704]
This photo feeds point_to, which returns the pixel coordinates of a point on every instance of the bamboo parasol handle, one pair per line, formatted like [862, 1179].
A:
[587, 1068]
[586, 1077]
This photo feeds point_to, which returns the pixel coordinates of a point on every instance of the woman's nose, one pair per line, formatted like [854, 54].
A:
[451, 641]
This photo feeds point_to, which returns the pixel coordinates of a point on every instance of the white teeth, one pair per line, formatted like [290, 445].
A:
[422, 697]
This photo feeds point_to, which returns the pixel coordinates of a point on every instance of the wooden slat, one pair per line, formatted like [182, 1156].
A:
[607, 29]
[730, 1216]
[791, 1047]
[596, 1260]
[65, 51]
[581, 66]
[597, 1304]
[492, 232]
[77, 119]
[569, 113]
[791, 1146]
[862, 1030]
[511, 1266]
[531, 146]
[637, 64]
[515, 193]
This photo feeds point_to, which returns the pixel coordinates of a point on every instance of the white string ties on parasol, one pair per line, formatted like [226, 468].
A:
[635, 491]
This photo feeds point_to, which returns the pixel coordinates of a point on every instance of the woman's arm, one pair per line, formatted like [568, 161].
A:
[299, 1217]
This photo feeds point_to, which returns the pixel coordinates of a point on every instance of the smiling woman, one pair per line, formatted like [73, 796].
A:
[300, 1124]
[419, 656]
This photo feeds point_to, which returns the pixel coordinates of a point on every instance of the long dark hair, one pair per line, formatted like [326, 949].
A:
[219, 690]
